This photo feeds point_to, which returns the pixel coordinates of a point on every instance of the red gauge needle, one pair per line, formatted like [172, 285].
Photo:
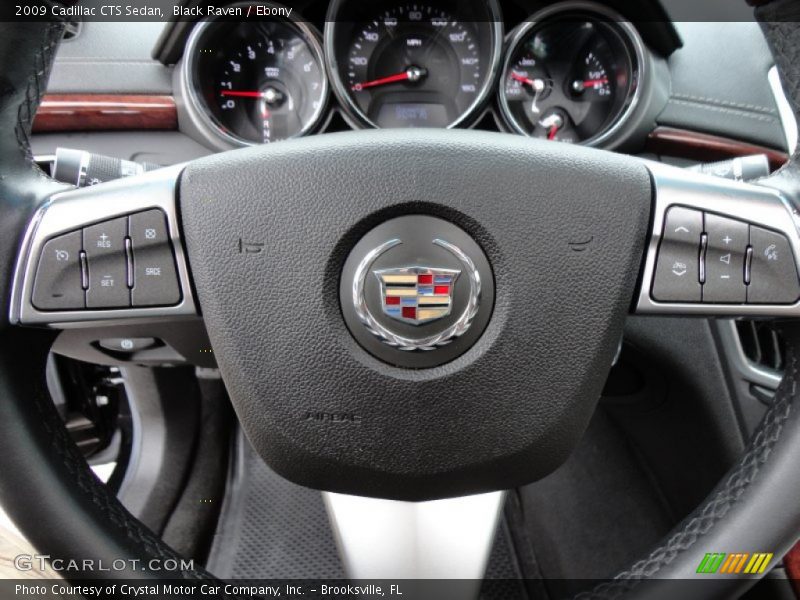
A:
[522, 79]
[381, 81]
[410, 74]
[590, 82]
[551, 134]
[241, 94]
[537, 84]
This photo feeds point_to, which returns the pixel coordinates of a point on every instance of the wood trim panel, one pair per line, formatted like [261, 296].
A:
[704, 147]
[95, 112]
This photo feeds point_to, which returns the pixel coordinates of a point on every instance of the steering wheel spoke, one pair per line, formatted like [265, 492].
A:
[719, 248]
[105, 255]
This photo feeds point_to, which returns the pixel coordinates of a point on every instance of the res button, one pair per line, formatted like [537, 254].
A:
[104, 245]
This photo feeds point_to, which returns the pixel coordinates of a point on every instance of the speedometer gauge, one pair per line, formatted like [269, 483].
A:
[572, 74]
[412, 64]
[256, 82]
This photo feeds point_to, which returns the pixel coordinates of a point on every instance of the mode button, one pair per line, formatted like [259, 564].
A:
[677, 276]
[155, 279]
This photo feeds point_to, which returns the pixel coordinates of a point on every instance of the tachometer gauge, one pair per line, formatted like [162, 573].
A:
[256, 82]
[571, 75]
[412, 65]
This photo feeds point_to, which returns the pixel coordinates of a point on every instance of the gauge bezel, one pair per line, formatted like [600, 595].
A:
[353, 113]
[197, 106]
[610, 18]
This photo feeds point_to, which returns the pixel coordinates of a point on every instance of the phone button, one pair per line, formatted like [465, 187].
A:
[773, 273]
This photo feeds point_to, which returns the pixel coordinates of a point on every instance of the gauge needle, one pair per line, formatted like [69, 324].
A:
[241, 94]
[269, 95]
[410, 74]
[579, 85]
[553, 123]
[537, 84]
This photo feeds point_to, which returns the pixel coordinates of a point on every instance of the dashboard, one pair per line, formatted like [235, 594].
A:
[658, 85]
[574, 71]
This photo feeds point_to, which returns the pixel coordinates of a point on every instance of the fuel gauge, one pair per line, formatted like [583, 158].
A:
[571, 75]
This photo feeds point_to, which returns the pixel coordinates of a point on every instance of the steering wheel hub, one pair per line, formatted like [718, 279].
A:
[516, 287]
[421, 287]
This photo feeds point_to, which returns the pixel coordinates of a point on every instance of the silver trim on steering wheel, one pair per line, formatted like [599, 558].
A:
[78, 208]
[754, 204]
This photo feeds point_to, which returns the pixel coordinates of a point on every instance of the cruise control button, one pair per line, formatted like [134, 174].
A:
[773, 272]
[727, 244]
[155, 279]
[57, 285]
[104, 245]
[677, 269]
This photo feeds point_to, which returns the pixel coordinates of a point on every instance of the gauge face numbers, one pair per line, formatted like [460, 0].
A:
[414, 65]
[262, 81]
[567, 80]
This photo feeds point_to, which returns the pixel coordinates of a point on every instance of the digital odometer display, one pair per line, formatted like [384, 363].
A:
[412, 65]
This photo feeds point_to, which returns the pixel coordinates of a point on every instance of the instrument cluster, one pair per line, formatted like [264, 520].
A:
[571, 72]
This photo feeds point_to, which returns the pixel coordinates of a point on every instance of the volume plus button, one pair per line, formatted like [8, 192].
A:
[727, 242]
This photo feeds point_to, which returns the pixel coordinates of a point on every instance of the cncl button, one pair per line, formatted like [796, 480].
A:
[58, 283]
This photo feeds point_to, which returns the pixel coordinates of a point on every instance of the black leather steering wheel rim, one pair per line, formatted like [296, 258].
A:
[65, 509]
[68, 513]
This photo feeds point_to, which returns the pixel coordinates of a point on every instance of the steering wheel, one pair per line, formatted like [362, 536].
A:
[394, 314]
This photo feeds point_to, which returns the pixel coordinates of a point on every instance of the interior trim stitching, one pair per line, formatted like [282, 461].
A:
[731, 111]
[714, 510]
[728, 103]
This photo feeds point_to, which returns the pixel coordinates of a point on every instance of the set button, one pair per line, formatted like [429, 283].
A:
[104, 245]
